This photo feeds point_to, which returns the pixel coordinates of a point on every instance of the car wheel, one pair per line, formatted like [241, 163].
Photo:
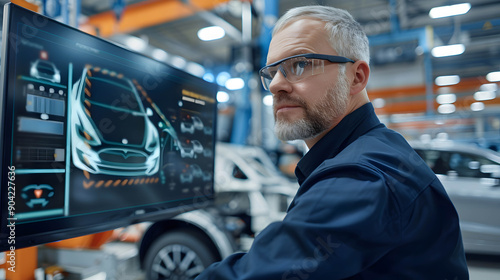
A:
[178, 255]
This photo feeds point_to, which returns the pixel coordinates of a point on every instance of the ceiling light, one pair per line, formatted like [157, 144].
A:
[222, 97]
[235, 83]
[484, 95]
[268, 100]
[477, 106]
[446, 98]
[178, 62]
[195, 69]
[159, 54]
[211, 33]
[493, 76]
[446, 109]
[222, 78]
[488, 87]
[209, 77]
[136, 44]
[448, 11]
[448, 50]
[447, 80]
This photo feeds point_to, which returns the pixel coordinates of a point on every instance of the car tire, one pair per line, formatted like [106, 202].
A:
[178, 255]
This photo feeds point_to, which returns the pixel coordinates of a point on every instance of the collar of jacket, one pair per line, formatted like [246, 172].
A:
[349, 129]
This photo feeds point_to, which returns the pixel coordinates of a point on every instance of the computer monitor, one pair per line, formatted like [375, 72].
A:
[94, 136]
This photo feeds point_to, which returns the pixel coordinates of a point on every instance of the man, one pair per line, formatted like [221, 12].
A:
[368, 207]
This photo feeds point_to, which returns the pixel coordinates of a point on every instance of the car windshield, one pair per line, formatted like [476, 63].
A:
[464, 164]
[116, 95]
[45, 67]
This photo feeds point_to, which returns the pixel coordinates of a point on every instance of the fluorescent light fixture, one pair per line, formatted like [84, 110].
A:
[222, 97]
[447, 98]
[493, 76]
[484, 95]
[136, 44]
[235, 83]
[477, 106]
[159, 54]
[448, 50]
[488, 87]
[448, 11]
[446, 109]
[178, 62]
[211, 33]
[378, 102]
[268, 100]
[195, 69]
[222, 78]
[442, 136]
[447, 80]
[209, 77]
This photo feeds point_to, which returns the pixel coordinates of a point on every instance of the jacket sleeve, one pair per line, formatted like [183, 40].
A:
[340, 222]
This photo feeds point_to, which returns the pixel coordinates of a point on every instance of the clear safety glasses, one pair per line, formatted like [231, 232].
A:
[298, 67]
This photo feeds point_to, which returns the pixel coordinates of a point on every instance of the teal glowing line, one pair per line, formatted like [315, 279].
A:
[39, 171]
[41, 81]
[39, 214]
[68, 140]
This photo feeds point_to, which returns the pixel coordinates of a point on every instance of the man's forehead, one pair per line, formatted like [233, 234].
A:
[300, 23]
[297, 37]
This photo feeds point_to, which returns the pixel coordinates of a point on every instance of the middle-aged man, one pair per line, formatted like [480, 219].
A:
[368, 207]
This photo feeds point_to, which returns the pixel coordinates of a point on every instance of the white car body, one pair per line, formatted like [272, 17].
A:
[249, 169]
[250, 194]
[471, 177]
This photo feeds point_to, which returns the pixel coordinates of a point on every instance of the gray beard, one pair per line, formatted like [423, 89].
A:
[319, 116]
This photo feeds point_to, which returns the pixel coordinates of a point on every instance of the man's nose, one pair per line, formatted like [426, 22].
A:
[279, 82]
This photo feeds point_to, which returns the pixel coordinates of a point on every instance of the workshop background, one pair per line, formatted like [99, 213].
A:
[434, 77]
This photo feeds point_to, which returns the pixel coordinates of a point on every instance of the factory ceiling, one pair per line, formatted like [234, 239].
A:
[172, 25]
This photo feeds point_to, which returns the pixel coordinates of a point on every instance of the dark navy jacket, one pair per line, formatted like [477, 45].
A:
[368, 207]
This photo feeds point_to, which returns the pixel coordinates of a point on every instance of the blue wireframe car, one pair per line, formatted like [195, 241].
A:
[46, 70]
[110, 129]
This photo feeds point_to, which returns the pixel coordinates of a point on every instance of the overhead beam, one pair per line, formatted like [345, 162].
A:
[144, 14]
[26, 4]
[465, 85]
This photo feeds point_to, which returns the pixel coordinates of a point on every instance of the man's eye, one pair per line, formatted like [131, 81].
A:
[298, 67]
[300, 64]
[272, 73]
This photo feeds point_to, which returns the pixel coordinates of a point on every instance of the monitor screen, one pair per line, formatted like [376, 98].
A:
[94, 136]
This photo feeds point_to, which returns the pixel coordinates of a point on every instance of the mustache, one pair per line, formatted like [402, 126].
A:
[286, 98]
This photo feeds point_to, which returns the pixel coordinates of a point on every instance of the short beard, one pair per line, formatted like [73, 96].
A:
[319, 116]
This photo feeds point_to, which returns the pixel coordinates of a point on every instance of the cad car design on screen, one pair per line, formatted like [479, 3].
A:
[105, 106]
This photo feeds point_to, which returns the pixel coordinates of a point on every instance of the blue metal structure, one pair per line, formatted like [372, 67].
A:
[243, 113]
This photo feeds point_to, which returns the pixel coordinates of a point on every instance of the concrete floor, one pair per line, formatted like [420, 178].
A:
[483, 267]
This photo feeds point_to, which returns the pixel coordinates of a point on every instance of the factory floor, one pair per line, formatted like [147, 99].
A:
[126, 266]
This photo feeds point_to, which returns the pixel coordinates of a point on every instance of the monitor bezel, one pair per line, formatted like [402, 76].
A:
[50, 229]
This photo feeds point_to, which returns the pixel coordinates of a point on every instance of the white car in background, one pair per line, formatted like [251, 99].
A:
[250, 194]
[471, 177]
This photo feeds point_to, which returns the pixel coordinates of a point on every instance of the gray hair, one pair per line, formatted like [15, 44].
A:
[345, 34]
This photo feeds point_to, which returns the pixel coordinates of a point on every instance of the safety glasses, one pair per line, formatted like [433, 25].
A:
[298, 67]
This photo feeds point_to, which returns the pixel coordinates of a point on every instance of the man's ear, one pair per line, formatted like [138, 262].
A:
[361, 72]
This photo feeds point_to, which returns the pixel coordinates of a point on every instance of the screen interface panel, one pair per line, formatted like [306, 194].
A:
[90, 128]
